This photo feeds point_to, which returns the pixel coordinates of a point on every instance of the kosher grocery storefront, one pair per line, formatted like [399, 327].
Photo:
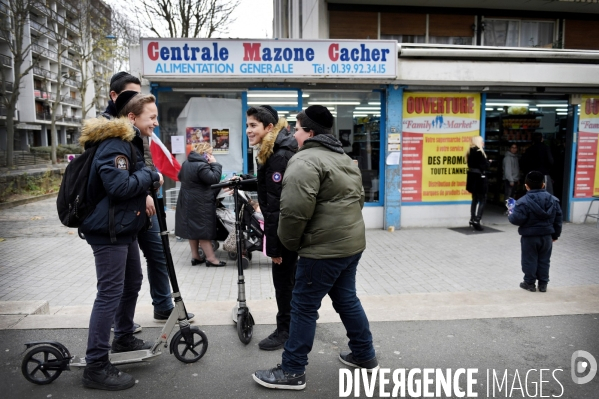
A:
[408, 137]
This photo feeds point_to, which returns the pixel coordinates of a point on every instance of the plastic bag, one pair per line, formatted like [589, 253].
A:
[510, 204]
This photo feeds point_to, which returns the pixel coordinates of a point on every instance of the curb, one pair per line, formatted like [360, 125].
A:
[12, 204]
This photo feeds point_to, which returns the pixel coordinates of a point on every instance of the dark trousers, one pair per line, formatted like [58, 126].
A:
[509, 190]
[477, 205]
[118, 270]
[150, 244]
[316, 278]
[283, 278]
[536, 253]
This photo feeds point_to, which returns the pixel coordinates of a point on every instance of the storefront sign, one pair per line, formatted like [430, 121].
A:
[437, 128]
[587, 157]
[269, 58]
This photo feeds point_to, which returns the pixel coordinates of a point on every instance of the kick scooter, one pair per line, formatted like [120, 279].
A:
[241, 313]
[44, 361]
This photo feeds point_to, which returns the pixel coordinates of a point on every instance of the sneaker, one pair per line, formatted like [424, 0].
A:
[274, 341]
[103, 375]
[163, 316]
[529, 287]
[348, 358]
[128, 343]
[136, 328]
[543, 287]
[278, 379]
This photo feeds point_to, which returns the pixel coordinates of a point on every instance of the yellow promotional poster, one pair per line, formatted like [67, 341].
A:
[586, 182]
[437, 128]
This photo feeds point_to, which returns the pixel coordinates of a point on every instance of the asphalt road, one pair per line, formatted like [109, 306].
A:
[515, 345]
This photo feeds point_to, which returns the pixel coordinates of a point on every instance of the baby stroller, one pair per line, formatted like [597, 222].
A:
[251, 229]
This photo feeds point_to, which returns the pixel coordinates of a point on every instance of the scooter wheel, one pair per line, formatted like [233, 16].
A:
[245, 326]
[189, 352]
[39, 364]
[232, 255]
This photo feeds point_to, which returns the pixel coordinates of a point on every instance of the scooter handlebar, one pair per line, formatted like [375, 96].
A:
[234, 182]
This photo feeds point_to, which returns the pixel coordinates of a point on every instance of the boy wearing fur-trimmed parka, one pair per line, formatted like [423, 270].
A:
[119, 190]
[539, 216]
[276, 147]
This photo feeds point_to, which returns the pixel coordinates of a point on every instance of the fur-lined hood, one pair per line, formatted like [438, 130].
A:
[266, 148]
[100, 129]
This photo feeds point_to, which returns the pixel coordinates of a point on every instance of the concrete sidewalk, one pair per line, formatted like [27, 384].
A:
[411, 274]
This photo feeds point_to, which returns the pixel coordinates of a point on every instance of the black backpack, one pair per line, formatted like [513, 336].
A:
[72, 203]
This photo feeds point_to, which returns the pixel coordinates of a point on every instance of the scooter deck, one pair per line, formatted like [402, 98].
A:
[143, 355]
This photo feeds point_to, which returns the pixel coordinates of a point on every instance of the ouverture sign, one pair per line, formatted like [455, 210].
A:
[587, 157]
[436, 134]
[269, 58]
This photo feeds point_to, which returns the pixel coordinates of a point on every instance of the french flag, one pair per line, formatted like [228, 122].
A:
[164, 161]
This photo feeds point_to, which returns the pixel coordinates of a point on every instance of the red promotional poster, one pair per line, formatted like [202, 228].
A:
[587, 157]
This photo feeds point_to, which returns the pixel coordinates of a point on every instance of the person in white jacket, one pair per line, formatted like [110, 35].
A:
[511, 171]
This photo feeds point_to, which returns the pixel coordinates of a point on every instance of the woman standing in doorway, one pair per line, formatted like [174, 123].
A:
[276, 146]
[196, 206]
[476, 181]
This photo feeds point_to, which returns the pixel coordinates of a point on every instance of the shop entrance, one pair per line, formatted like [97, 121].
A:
[513, 124]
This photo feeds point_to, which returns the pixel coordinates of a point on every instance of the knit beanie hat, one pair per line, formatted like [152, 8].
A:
[123, 99]
[271, 111]
[320, 115]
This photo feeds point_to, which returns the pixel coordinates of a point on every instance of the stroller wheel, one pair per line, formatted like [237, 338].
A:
[201, 253]
[232, 255]
[245, 262]
[215, 245]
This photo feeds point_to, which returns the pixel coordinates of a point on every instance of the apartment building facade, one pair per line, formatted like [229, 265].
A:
[54, 25]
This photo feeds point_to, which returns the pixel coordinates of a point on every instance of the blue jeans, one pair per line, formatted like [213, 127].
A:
[150, 244]
[536, 253]
[118, 270]
[314, 279]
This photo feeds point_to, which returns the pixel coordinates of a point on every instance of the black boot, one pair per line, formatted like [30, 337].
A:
[476, 224]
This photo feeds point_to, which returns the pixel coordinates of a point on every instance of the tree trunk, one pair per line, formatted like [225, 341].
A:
[10, 136]
[53, 137]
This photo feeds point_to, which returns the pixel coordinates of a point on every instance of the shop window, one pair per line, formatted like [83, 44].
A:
[518, 33]
[358, 127]
[197, 114]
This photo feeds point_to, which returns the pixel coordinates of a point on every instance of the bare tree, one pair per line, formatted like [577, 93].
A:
[126, 31]
[94, 53]
[188, 18]
[14, 34]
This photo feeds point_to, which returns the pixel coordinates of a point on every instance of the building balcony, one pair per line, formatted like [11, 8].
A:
[71, 82]
[68, 62]
[42, 95]
[6, 60]
[8, 86]
[4, 7]
[38, 27]
[44, 116]
[39, 71]
[71, 100]
[41, 7]
[46, 52]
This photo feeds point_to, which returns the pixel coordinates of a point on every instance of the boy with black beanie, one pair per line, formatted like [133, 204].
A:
[539, 216]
